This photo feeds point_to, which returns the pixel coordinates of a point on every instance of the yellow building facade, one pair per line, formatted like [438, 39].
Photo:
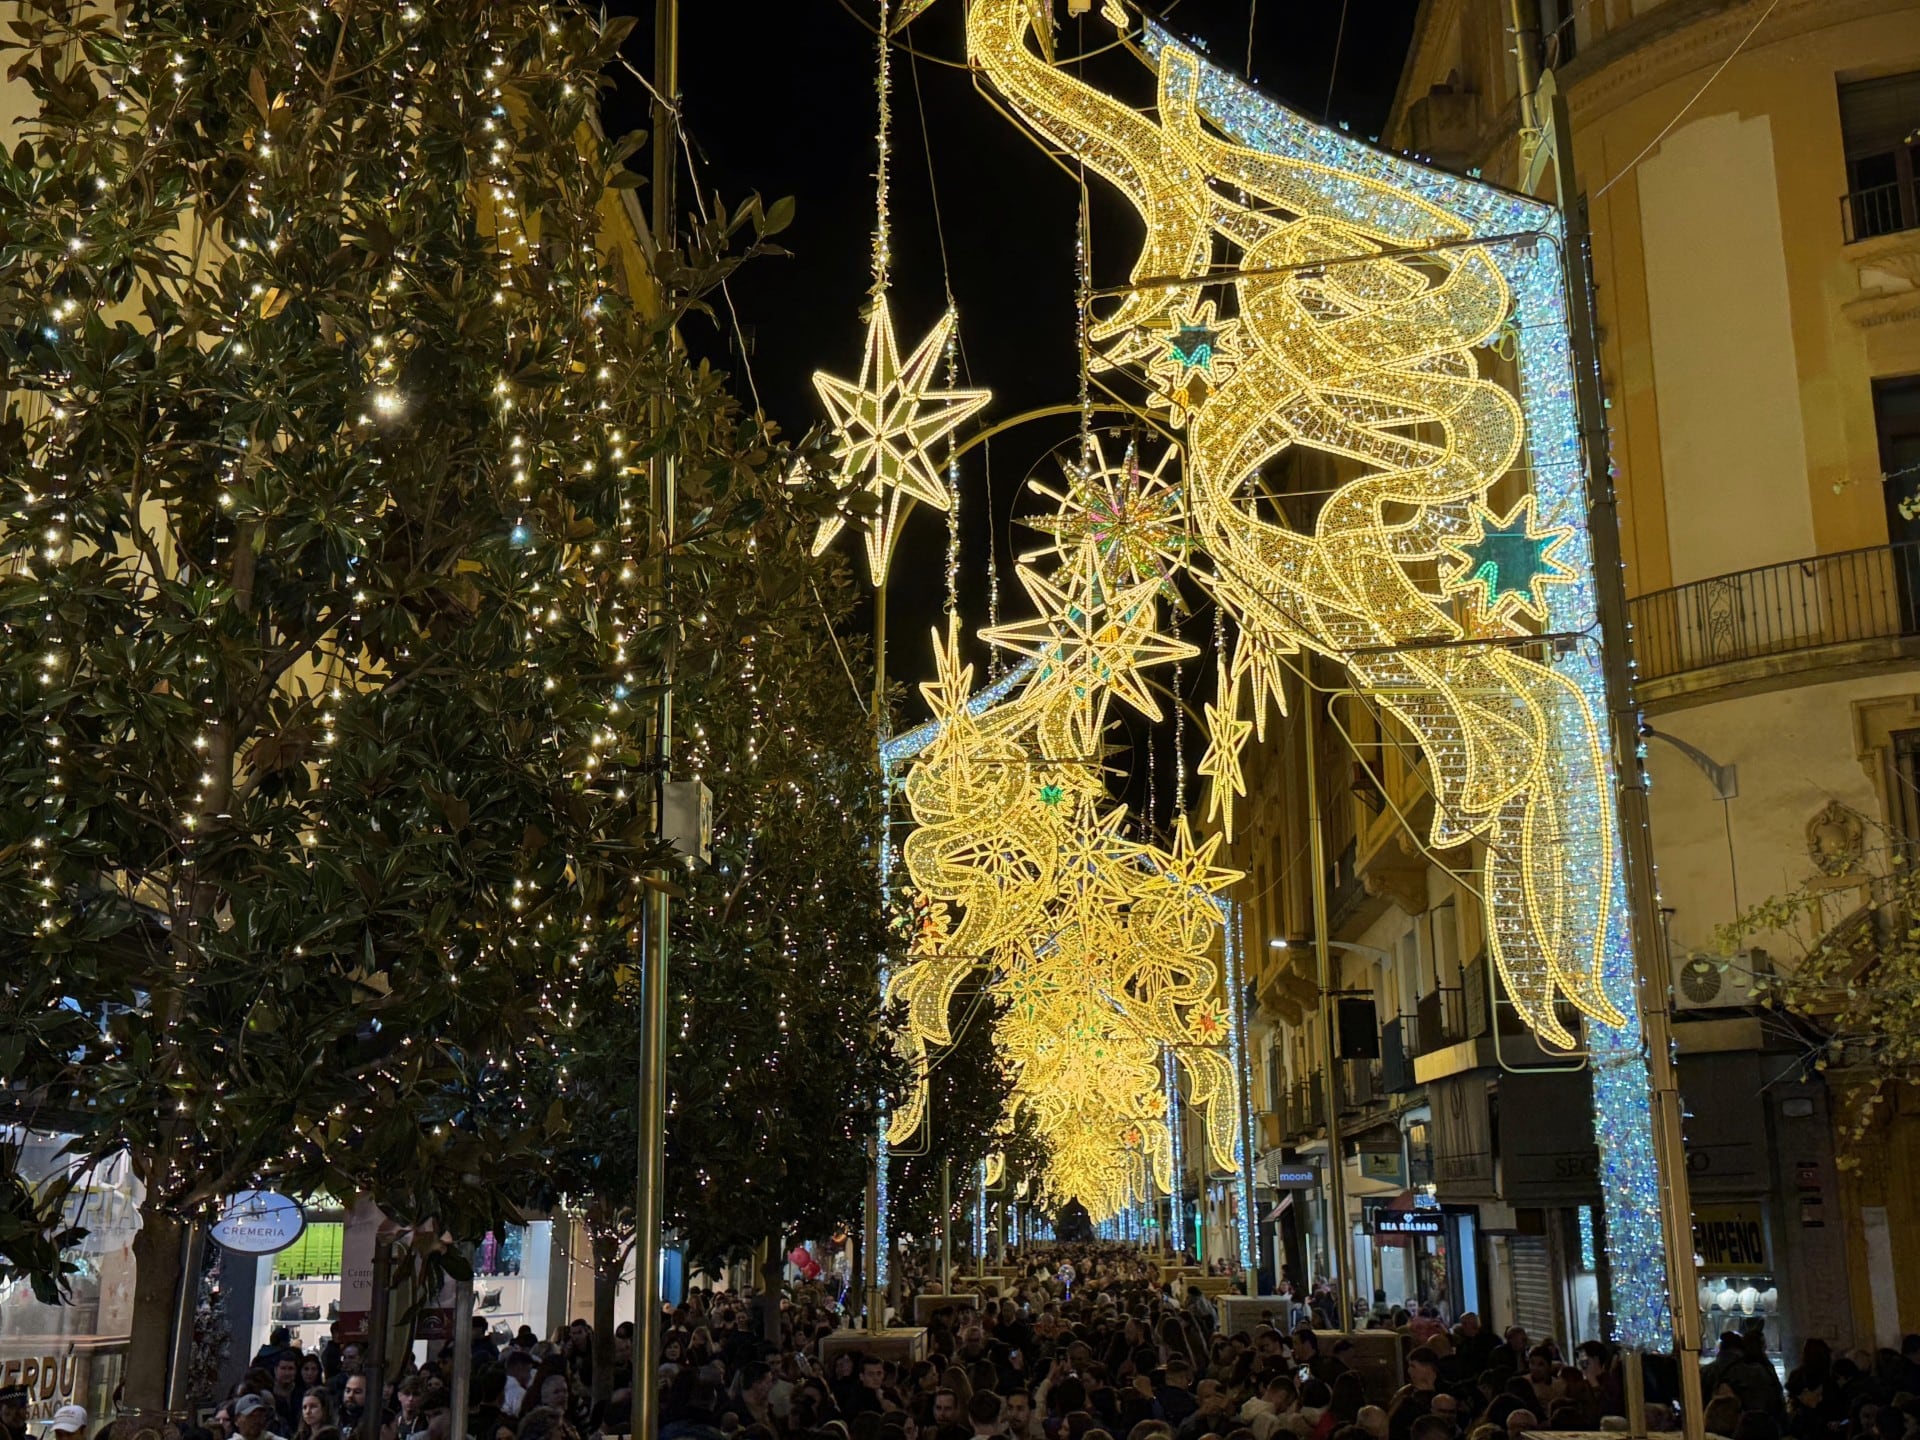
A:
[1750, 168]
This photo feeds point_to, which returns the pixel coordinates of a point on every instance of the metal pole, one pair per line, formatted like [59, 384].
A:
[1526, 40]
[652, 1100]
[1655, 998]
[1323, 961]
[946, 1227]
[374, 1420]
[980, 1258]
[1243, 1081]
[874, 1227]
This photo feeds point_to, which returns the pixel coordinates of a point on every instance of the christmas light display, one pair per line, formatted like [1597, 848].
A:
[1363, 291]
[1098, 943]
[888, 422]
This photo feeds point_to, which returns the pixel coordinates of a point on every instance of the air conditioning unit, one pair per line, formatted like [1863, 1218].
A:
[1719, 982]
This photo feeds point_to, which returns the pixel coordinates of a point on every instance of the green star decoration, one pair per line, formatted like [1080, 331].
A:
[1192, 347]
[1507, 560]
[1052, 794]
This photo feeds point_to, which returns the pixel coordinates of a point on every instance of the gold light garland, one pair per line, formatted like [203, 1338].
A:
[1340, 344]
[1350, 325]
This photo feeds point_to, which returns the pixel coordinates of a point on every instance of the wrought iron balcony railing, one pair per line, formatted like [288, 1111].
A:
[1879, 210]
[1838, 599]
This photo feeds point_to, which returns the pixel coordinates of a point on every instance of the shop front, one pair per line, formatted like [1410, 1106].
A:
[1748, 1217]
[74, 1354]
[301, 1287]
[1423, 1252]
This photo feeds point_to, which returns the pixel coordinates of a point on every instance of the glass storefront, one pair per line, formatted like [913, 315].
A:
[74, 1354]
[300, 1287]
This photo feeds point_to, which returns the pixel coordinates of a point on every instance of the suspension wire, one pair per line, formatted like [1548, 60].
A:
[1339, 38]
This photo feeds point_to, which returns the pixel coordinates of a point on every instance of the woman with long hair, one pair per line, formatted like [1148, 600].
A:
[316, 1413]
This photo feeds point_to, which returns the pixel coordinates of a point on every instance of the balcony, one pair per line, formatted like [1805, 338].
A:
[1359, 1085]
[1302, 1110]
[1754, 626]
[1398, 1042]
[1878, 210]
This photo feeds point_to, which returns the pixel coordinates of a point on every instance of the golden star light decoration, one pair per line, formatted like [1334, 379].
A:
[1226, 736]
[1196, 359]
[1135, 519]
[888, 422]
[1092, 641]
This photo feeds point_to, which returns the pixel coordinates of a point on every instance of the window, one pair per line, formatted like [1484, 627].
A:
[1880, 129]
[1558, 43]
[1903, 788]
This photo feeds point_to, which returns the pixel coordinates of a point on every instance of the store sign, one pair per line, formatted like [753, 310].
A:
[1383, 1165]
[259, 1222]
[1295, 1177]
[1731, 1237]
[1382, 1221]
[49, 1380]
[1462, 1138]
[356, 1268]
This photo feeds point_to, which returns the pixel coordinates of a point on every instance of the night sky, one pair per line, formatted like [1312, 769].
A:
[779, 99]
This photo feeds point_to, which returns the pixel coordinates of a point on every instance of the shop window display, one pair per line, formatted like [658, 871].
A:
[74, 1354]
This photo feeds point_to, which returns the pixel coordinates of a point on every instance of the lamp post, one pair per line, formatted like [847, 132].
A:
[652, 1080]
[1323, 947]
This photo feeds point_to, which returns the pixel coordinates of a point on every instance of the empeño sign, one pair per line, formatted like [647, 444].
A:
[1731, 1237]
[259, 1222]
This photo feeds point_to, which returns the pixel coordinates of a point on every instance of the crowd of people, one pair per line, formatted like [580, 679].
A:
[1085, 1343]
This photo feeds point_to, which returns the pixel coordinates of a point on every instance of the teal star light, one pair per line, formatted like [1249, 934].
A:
[1507, 559]
[1192, 347]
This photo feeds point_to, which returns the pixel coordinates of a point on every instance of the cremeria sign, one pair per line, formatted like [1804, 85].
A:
[259, 1222]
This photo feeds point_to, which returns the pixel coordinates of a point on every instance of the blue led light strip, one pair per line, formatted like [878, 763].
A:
[1237, 1009]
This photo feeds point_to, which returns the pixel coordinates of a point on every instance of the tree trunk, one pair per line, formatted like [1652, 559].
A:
[606, 1288]
[156, 1292]
[772, 1263]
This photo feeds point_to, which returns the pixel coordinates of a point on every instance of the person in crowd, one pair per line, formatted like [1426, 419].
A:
[13, 1412]
[316, 1414]
[279, 1340]
[351, 1413]
[1415, 1398]
[286, 1391]
[253, 1416]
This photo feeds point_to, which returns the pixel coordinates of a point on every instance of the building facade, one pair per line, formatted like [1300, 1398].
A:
[1750, 173]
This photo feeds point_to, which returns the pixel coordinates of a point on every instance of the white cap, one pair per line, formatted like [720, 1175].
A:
[68, 1419]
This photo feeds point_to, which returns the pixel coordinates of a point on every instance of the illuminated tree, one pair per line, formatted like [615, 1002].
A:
[323, 584]
[1854, 976]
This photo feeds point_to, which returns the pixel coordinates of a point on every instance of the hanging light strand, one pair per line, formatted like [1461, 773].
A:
[882, 220]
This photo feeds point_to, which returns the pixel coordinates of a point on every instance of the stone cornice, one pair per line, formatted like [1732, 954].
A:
[1682, 37]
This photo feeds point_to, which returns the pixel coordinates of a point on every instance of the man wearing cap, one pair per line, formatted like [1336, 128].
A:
[69, 1423]
[251, 1415]
[13, 1413]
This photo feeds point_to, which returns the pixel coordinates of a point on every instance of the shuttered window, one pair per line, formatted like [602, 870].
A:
[1880, 131]
[1879, 115]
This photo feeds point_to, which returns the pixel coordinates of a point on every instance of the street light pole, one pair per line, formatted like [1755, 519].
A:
[649, 1198]
[877, 1147]
[1649, 948]
[1323, 959]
